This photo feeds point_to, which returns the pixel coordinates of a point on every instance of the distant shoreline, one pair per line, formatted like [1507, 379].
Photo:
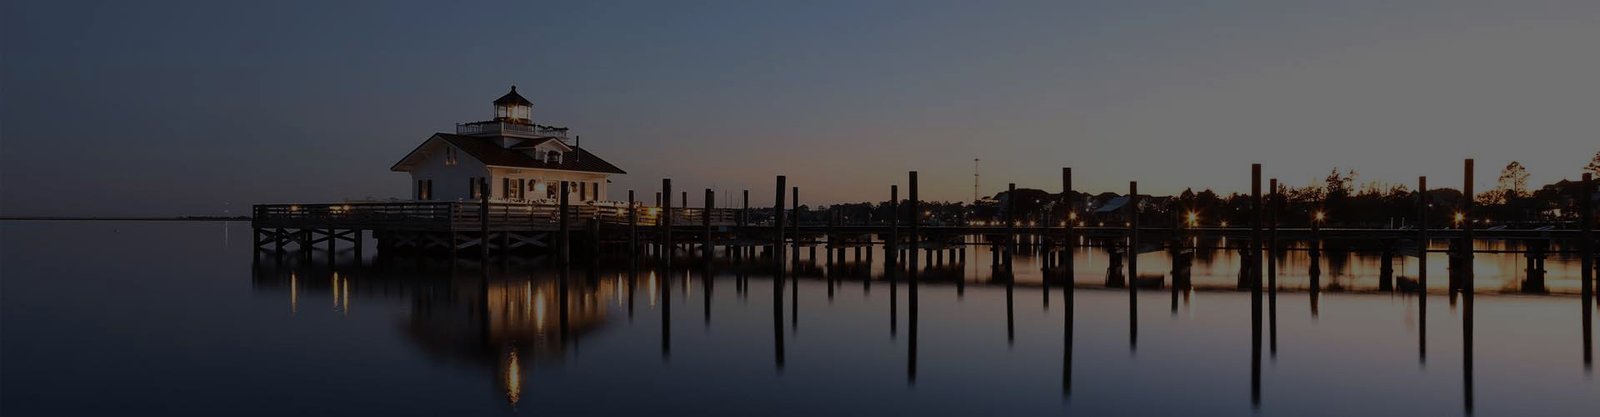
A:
[127, 219]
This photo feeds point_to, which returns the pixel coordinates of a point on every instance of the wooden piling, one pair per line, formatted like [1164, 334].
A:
[1467, 281]
[1586, 250]
[1133, 264]
[705, 221]
[916, 223]
[795, 209]
[778, 225]
[1069, 243]
[564, 236]
[1422, 267]
[1466, 232]
[664, 221]
[892, 249]
[1275, 213]
[1586, 236]
[633, 228]
[483, 217]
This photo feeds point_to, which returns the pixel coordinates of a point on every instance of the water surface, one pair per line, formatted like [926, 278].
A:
[132, 318]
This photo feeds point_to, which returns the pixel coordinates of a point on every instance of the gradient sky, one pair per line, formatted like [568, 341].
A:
[168, 108]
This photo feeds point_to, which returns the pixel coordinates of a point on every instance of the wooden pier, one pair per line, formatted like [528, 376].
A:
[492, 228]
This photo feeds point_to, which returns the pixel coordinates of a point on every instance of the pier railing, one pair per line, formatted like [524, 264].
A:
[509, 128]
[452, 215]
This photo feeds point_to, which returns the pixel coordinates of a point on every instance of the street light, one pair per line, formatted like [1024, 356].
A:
[1193, 219]
[1320, 216]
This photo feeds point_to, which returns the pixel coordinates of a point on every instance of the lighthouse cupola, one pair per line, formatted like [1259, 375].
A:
[513, 108]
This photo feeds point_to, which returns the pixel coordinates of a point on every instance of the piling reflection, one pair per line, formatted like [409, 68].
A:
[512, 321]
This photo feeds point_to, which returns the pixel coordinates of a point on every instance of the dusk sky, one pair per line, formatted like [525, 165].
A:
[177, 108]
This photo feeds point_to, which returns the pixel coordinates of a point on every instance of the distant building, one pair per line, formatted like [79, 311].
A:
[521, 160]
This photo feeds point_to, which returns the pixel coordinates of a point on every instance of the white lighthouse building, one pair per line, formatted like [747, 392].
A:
[520, 160]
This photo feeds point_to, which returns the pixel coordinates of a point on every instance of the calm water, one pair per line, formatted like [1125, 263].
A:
[127, 318]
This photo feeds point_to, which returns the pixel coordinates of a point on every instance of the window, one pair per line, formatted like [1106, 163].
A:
[551, 191]
[552, 157]
[596, 191]
[424, 190]
[472, 188]
[583, 193]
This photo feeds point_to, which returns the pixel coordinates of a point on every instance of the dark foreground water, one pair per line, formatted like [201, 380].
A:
[128, 318]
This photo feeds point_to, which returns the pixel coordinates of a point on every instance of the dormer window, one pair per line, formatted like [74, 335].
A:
[552, 157]
[450, 156]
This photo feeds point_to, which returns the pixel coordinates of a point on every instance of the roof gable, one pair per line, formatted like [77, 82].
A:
[487, 151]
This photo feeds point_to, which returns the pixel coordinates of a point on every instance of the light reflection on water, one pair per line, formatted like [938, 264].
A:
[414, 335]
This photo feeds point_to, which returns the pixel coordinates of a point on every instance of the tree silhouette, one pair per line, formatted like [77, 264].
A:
[1513, 183]
[1594, 165]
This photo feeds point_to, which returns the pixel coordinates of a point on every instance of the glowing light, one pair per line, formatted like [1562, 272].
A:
[513, 378]
[335, 285]
[344, 301]
[1224, 223]
[1320, 216]
[538, 310]
[650, 288]
[1193, 219]
[1072, 216]
[1461, 217]
[294, 293]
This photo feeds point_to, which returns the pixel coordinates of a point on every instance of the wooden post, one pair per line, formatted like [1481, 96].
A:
[1011, 226]
[633, 228]
[744, 211]
[794, 289]
[1069, 243]
[483, 217]
[594, 241]
[1586, 236]
[778, 225]
[705, 221]
[664, 221]
[1466, 232]
[1255, 230]
[1133, 264]
[796, 209]
[1466, 281]
[1586, 250]
[916, 222]
[1422, 266]
[892, 249]
[565, 237]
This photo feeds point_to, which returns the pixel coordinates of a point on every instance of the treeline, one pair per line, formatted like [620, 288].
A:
[1337, 202]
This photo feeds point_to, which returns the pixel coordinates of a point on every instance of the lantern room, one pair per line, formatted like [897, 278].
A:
[513, 108]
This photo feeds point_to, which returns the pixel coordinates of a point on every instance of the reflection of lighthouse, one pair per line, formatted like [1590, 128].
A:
[507, 325]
